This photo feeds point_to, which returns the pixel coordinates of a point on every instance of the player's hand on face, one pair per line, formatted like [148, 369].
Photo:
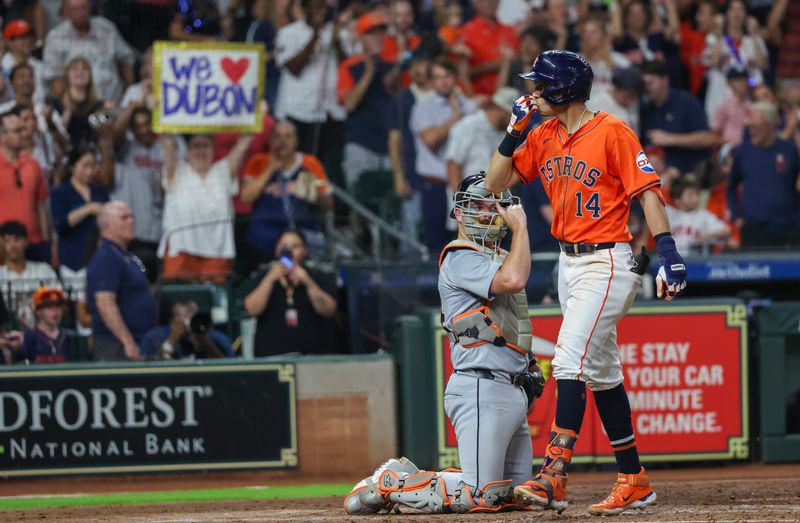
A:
[514, 216]
[521, 113]
[671, 277]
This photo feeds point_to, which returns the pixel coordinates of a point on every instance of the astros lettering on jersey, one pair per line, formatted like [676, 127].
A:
[587, 175]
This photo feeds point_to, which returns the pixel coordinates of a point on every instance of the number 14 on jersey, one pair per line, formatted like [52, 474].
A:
[591, 206]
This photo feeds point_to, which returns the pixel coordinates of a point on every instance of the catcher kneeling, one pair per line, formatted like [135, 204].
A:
[496, 379]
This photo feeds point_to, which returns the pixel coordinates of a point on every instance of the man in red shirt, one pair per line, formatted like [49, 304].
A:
[22, 188]
[489, 41]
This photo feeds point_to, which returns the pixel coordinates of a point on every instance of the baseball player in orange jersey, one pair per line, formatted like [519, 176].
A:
[592, 166]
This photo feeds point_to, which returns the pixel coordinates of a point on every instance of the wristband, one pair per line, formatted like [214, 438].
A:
[507, 146]
[661, 235]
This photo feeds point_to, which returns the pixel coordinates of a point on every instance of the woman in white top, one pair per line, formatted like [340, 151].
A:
[198, 211]
[735, 41]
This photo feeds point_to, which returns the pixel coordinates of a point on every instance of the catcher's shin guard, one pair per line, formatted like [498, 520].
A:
[368, 496]
[365, 498]
[549, 488]
[495, 496]
[423, 491]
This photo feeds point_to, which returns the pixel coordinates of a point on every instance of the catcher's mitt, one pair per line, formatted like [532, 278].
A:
[532, 383]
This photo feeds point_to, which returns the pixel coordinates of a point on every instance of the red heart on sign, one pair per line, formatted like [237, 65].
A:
[235, 70]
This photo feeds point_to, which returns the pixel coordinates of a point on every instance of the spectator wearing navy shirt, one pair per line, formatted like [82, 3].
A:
[766, 167]
[364, 88]
[402, 150]
[287, 188]
[673, 119]
[118, 293]
[75, 205]
[46, 342]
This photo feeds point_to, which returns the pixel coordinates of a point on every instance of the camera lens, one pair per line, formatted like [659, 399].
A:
[200, 323]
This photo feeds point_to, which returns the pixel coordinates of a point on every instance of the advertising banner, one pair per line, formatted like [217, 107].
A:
[208, 87]
[147, 419]
[685, 369]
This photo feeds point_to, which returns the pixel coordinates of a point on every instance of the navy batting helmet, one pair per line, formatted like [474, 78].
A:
[567, 76]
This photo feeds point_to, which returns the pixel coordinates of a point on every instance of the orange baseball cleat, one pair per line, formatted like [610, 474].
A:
[631, 491]
[547, 489]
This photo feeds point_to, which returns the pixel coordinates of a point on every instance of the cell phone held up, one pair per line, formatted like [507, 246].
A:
[286, 258]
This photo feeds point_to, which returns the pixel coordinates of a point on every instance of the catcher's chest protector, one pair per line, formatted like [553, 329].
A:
[503, 321]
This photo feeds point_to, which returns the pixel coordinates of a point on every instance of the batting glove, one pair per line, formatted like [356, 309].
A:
[671, 277]
[520, 114]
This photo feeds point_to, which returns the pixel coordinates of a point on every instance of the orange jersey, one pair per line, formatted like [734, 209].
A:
[590, 177]
[391, 49]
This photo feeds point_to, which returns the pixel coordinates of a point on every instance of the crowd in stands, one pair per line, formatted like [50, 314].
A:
[407, 96]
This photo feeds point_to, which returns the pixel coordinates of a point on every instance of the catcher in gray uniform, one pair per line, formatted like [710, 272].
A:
[496, 379]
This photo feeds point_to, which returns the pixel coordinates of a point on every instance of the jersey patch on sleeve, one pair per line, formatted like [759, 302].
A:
[643, 163]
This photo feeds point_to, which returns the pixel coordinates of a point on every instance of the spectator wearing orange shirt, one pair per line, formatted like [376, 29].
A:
[286, 188]
[23, 192]
[365, 86]
[401, 38]
[490, 41]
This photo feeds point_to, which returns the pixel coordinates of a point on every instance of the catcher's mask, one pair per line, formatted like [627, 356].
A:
[482, 223]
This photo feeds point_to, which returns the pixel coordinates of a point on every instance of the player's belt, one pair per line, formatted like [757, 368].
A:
[486, 374]
[576, 249]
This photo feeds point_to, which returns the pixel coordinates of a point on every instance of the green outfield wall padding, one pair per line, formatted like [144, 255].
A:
[416, 378]
[778, 327]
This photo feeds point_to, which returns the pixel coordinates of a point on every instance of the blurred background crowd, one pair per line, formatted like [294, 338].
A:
[377, 109]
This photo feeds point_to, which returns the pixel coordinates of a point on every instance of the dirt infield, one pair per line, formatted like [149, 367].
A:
[755, 493]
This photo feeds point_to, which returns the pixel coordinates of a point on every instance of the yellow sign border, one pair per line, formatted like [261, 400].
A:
[162, 45]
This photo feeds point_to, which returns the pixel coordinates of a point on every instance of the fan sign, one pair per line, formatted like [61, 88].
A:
[208, 87]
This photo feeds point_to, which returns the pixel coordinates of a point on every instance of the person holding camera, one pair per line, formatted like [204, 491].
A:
[79, 102]
[293, 306]
[189, 335]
